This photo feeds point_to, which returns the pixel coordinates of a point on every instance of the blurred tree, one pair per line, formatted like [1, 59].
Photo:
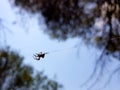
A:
[97, 22]
[17, 76]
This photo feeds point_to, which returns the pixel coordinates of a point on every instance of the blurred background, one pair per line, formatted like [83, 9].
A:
[82, 39]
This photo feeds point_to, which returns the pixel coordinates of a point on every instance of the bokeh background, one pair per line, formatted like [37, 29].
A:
[81, 38]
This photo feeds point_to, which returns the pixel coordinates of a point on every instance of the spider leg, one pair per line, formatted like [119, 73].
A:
[36, 57]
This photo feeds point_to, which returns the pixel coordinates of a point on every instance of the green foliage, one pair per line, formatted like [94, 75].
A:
[97, 22]
[17, 76]
[63, 17]
[87, 19]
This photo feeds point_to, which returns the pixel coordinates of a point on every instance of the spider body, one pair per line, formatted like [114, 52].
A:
[40, 55]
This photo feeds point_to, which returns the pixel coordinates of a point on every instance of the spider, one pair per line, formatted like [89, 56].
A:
[39, 55]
